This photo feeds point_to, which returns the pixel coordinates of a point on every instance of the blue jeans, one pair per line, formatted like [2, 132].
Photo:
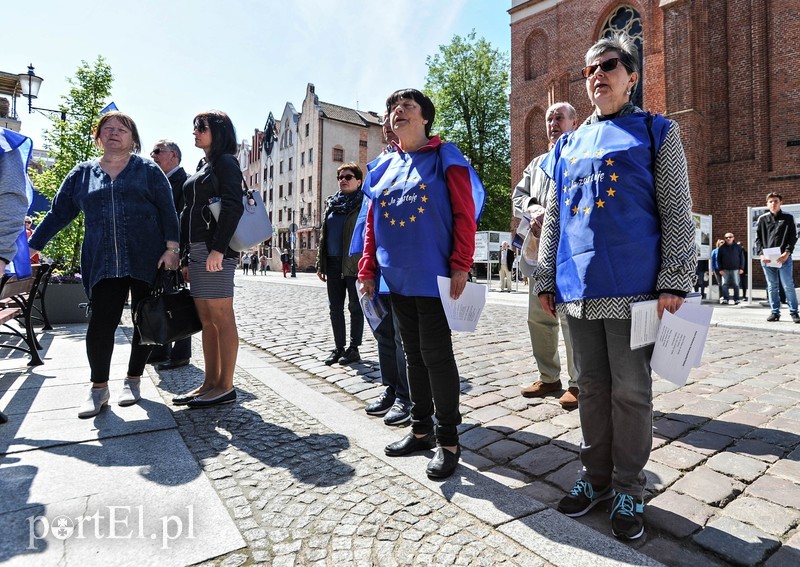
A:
[730, 278]
[777, 277]
[616, 403]
[391, 357]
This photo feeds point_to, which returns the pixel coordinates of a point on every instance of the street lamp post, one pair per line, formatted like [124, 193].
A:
[293, 240]
[29, 84]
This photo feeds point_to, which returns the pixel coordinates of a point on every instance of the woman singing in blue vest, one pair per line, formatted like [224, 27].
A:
[619, 230]
[421, 224]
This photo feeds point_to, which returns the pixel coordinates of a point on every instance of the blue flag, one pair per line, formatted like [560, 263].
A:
[19, 148]
[111, 106]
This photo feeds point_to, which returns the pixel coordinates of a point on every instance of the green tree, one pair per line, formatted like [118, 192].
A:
[468, 82]
[69, 143]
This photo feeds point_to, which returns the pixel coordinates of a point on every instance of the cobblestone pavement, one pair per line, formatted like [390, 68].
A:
[723, 478]
[300, 494]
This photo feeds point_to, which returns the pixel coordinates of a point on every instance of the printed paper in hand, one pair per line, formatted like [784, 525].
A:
[645, 321]
[373, 308]
[680, 342]
[463, 313]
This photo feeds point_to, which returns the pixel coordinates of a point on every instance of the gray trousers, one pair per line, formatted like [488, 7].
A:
[616, 403]
[544, 340]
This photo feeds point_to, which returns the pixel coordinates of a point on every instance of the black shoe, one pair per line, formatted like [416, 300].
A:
[443, 463]
[774, 317]
[184, 399]
[334, 356]
[170, 364]
[382, 405]
[226, 398]
[795, 317]
[410, 444]
[582, 498]
[350, 355]
[627, 517]
[400, 414]
[3, 417]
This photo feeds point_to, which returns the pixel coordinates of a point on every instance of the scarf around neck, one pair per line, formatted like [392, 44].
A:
[342, 203]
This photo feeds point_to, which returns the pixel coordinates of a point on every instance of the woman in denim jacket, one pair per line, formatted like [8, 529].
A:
[131, 230]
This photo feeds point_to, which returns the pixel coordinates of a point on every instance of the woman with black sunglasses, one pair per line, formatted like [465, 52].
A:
[209, 264]
[337, 268]
[619, 231]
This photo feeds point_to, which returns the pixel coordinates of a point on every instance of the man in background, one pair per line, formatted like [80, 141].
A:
[167, 155]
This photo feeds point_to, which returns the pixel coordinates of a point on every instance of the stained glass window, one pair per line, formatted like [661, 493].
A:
[628, 21]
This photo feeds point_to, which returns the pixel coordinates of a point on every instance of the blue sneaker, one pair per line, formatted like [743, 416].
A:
[627, 517]
[582, 498]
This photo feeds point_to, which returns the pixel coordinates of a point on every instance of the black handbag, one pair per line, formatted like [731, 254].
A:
[168, 314]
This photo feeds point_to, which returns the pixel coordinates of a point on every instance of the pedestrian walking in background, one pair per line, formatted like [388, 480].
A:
[286, 261]
[245, 263]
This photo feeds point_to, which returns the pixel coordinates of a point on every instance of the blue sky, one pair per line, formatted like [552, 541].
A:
[173, 59]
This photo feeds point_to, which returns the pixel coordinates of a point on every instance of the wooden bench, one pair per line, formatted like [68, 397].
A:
[17, 303]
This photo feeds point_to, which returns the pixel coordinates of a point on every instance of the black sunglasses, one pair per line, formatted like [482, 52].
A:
[605, 67]
[200, 126]
[157, 151]
[346, 177]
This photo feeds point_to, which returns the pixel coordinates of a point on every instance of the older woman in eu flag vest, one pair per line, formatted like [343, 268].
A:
[425, 200]
[618, 230]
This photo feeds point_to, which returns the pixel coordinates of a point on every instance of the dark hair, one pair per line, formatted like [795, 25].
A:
[428, 110]
[352, 166]
[774, 195]
[126, 121]
[223, 134]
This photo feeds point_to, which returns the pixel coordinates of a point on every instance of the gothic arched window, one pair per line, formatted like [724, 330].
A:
[628, 21]
[535, 55]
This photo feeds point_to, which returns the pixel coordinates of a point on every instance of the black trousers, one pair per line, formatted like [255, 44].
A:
[108, 300]
[340, 287]
[433, 379]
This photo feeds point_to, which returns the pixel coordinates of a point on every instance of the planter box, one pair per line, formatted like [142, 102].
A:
[62, 302]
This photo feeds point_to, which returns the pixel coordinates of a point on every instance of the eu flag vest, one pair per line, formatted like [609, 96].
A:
[610, 237]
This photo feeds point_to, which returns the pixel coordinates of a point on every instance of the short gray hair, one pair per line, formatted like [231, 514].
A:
[623, 45]
[571, 112]
[171, 146]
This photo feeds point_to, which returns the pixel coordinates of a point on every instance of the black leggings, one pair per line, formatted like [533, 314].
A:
[108, 300]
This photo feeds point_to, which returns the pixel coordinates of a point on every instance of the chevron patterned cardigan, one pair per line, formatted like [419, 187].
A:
[677, 262]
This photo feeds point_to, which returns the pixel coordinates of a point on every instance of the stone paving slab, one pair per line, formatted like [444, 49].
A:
[739, 402]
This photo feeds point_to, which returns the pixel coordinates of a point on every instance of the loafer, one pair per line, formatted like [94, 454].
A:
[410, 444]
[334, 356]
[443, 463]
[98, 397]
[540, 388]
[184, 399]
[569, 400]
[399, 414]
[226, 398]
[170, 364]
[130, 392]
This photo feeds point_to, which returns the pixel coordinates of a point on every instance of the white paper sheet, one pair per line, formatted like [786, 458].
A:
[772, 255]
[680, 342]
[373, 309]
[645, 321]
[463, 313]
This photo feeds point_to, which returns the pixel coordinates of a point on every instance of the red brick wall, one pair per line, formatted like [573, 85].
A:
[723, 69]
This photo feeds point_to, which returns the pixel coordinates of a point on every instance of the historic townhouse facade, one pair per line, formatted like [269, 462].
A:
[311, 145]
[720, 68]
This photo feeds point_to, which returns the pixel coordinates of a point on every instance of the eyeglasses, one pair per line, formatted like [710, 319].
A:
[605, 67]
[27, 222]
[728, 237]
[201, 127]
[346, 177]
[157, 151]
